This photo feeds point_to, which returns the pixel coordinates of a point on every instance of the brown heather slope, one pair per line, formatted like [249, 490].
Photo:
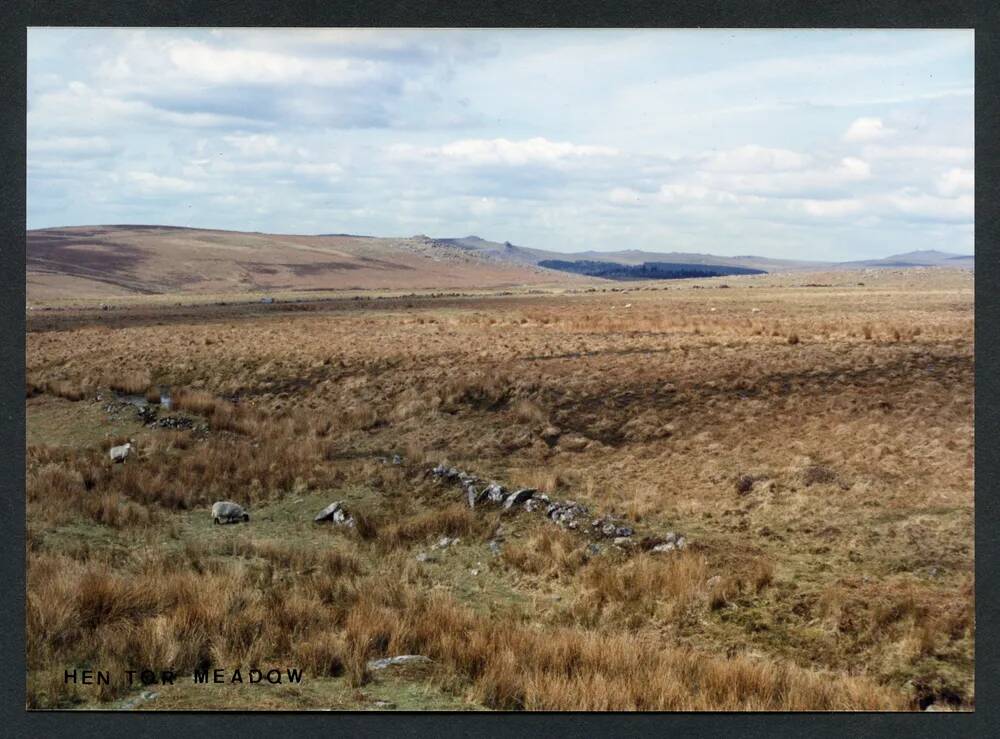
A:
[111, 261]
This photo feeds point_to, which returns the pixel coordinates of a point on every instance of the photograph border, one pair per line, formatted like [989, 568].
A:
[21, 14]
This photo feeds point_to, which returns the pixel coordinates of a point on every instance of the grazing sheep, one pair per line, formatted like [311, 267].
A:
[225, 511]
[120, 453]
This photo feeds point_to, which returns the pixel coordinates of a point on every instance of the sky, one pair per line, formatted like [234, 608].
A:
[783, 143]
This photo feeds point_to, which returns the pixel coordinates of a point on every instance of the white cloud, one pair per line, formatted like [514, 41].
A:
[482, 206]
[175, 60]
[700, 193]
[943, 154]
[152, 183]
[832, 208]
[752, 158]
[922, 206]
[255, 144]
[867, 129]
[956, 181]
[625, 196]
[77, 146]
[853, 168]
[80, 107]
[484, 152]
[818, 177]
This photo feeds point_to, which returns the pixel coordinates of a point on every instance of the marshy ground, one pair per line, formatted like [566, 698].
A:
[812, 437]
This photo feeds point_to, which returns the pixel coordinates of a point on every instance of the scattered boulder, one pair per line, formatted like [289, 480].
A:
[536, 502]
[173, 422]
[519, 496]
[610, 529]
[330, 513]
[226, 511]
[566, 513]
[494, 493]
[425, 557]
[146, 414]
[444, 542]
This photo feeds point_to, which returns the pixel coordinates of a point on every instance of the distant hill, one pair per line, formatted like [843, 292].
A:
[523, 255]
[928, 258]
[105, 261]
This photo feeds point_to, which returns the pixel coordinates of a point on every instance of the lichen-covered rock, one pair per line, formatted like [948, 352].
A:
[519, 496]
[566, 513]
[495, 493]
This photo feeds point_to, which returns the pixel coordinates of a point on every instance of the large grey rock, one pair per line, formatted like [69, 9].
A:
[495, 493]
[519, 496]
[328, 513]
[226, 511]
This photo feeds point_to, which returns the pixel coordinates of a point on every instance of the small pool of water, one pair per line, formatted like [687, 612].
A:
[140, 401]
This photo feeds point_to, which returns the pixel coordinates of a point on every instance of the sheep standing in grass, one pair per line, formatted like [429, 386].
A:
[120, 453]
[225, 511]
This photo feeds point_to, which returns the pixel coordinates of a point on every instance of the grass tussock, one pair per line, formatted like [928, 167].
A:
[453, 520]
[133, 383]
[514, 666]
[551, 552]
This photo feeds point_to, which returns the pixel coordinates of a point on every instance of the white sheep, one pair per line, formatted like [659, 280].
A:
[120, 453]
[225, 511]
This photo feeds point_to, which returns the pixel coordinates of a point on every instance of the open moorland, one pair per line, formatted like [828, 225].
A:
[780, 469]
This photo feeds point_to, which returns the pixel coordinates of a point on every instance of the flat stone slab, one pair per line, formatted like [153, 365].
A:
[402, 659]
[519, 496]
[327, 514]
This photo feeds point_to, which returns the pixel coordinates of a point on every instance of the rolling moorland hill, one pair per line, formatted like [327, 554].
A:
[116, 261]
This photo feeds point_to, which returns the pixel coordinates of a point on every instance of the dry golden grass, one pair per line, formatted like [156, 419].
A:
[839, 577]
